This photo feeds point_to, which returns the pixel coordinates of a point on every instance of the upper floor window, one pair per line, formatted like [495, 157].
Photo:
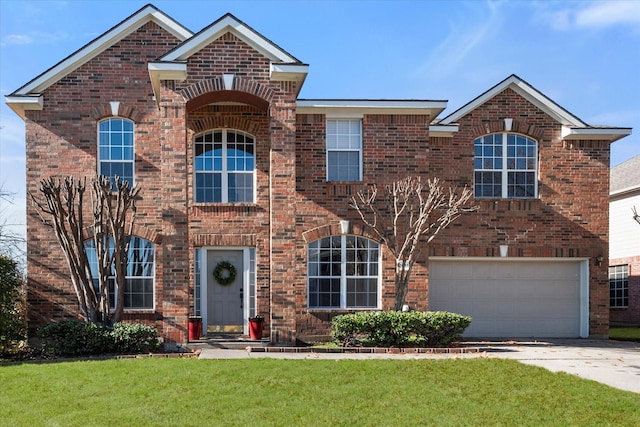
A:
[140, 273]
[344, 150]
[619, 286]
[115, 149]
[343, 272]
[505, 166]
[224, 167]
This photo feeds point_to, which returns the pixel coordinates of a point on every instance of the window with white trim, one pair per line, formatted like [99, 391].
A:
[343, 272]
[344, 150]
[140, 273]
[116, 149]
[619, 286]
[224, 167]
[505, 166]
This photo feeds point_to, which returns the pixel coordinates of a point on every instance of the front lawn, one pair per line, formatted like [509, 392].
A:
[269, 392]
[625, 333]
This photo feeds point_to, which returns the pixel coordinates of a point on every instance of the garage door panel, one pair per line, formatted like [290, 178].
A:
[509, 299]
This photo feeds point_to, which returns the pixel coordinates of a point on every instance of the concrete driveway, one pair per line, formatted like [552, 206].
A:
[615, 363]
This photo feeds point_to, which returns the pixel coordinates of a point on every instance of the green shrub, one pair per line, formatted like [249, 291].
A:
[398, 329]
[70, 338]
[12, 322]
[134, 338]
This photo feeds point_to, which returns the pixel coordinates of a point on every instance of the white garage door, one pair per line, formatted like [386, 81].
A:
[512, 299]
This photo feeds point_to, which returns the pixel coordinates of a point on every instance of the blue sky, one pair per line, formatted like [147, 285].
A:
[585, 55]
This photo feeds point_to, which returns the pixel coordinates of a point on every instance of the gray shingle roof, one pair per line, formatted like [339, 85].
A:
[626, 175]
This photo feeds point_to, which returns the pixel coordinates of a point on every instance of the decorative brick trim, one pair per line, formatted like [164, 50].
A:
[335, 230]
[497, 126]
[103, 111]
[246, 240]
[366, 350]
[216, 84]
[138, 231]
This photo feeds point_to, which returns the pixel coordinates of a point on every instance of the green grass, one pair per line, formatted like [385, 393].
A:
[629, 333]
[268, 392]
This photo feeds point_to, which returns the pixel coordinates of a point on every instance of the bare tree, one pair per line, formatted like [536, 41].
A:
[11, 241]
[62, 208]
[406, 217]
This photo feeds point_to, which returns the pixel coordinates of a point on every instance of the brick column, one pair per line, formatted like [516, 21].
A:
[282, 240]
[172, 258]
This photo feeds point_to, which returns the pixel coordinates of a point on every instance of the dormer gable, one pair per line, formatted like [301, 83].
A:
[29, 96]
[173, 65]
[572, 127]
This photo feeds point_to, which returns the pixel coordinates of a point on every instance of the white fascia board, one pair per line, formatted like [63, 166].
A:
[159, 71]
[626, 192]
[102, 43]
[526, 91]
[289, 72]
[594, 133]
[443, 130]
[240, 30]
[20, 104]
[357, 106]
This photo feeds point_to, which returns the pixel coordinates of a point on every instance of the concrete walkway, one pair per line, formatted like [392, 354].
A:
[614, 363]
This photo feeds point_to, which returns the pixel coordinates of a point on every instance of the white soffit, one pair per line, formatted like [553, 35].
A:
[20, 104]
[333, 107]
[594, 133]
[94, 48]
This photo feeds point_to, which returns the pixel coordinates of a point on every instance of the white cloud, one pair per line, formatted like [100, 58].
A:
[464, 36]
[609, 13]
[33, 37]
[589, 15]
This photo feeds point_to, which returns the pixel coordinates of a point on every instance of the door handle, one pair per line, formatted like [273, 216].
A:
[241, 298]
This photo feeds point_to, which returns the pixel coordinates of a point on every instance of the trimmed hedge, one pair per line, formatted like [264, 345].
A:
[398, 329]
[71, 338]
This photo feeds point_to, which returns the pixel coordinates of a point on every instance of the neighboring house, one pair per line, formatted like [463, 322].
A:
[624, 244]
[235, 168]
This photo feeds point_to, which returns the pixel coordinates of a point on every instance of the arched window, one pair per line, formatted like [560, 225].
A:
[116, 149]
[140, 273]
[224, 167]
[506, 166]
[343, 272]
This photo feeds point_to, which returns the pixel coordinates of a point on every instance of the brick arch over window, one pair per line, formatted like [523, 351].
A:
[335, 229]
[103, 111]
[224, 122]
[138, 231]
[487, 127]
[244, 91]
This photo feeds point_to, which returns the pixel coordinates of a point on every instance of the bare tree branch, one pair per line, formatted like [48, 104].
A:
[407, 217]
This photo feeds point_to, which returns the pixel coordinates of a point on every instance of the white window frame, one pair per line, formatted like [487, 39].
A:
[504, 170]
[102, 161]
[343, 275]
[343, 149]
[619, 274]
[112, 277]
[224, 172]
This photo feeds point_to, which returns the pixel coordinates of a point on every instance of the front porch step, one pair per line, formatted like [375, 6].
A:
[227, 341]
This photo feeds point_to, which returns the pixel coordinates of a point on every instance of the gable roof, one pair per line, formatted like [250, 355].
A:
[625, 177]
[172, 65]
[28, 97]
[572, 127]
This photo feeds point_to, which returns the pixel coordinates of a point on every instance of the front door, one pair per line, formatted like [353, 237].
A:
[224, 297]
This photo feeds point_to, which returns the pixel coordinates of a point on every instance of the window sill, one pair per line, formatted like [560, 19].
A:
[340, 310]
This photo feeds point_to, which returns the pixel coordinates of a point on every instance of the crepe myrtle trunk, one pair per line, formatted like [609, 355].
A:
[406, 216]
[60, 205]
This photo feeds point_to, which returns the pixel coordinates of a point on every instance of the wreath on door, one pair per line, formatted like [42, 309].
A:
[224, 273]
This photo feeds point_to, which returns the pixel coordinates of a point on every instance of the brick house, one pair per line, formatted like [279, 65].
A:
[624, 251]
[235, 168]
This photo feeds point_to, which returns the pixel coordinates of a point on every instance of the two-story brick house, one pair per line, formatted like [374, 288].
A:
[245, 189]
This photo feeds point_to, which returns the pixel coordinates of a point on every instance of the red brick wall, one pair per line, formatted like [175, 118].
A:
[569, 219]
[61, 140]
[631, 314]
